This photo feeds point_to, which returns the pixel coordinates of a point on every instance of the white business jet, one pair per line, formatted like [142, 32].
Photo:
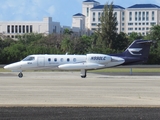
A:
[136, 53]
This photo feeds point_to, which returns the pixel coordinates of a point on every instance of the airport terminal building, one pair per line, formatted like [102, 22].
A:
[136, 18]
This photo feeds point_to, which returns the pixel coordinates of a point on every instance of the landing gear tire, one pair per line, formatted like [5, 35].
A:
[83, 73]
[83, 76]
[20, 75]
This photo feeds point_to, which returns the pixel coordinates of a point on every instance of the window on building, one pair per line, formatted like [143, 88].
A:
[135, 23]
[130, 16]
[130, 23]
[16, 29]
[135, 18]
[135, 28]
[122, 24]
[23, 28]
[143, 16]
[143, 23]
[147, 18]
[143, 28]
[94, 24]
[152, 13]
[19, 28]
[93, 29]
[12, 28]
[99, 16]
[130, 13]
[152, 23]
[139, 23]
[139, 18]
[27, 29]
[152, 18]
[130, 28]
[143, 19]
[122, 29]
[135, 13]
[129, 33]
[31, 29]
[147, 13]
[87, 11]
[94, 14]
[130, 19]
[143, 13]
[139, 28]
[8, 28]
[147, 23]
[123, 13]
[115, 14]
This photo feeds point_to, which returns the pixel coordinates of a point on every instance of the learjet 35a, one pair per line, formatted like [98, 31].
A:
[136, 53]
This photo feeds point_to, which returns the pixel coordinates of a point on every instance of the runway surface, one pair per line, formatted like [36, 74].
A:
[66, 92]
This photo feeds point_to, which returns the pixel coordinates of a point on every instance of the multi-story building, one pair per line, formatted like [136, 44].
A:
[137, 18]
[12, 29]
[141, 17]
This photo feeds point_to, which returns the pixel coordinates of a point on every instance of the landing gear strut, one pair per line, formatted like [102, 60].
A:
[83, 73]
[20, 75]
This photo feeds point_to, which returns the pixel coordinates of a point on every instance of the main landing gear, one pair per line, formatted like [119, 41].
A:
[83, 73]
[20, 75]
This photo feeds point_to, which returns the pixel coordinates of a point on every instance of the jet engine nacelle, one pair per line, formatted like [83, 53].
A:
[98, 58]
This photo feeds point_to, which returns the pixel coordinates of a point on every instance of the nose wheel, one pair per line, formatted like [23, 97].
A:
[83, 73]
[20, 75]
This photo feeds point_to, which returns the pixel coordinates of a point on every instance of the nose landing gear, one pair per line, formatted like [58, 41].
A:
[20, 75]
[83, 73]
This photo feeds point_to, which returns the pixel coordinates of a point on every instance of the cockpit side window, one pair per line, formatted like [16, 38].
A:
[29, 59]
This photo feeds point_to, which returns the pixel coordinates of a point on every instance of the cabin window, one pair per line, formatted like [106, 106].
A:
[68, 59]
[49, 59]
[55, 59]
[61, 59]
[29, 59]
[74, 59]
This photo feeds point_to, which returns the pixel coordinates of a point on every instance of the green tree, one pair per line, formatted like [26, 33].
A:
[66, 44]
[154, 34]
[121, 42]
[134, 36]
[107, 30]
[67, 31]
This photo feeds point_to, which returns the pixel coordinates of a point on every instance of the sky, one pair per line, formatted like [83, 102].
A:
[60, 10]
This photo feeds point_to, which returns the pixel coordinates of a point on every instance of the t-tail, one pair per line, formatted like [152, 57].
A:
[137, 52]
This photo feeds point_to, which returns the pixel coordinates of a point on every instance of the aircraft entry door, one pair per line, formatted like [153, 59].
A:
[40, 61]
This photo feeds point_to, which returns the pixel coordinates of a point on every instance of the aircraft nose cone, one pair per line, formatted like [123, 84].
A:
[5, 67]
[12, 66]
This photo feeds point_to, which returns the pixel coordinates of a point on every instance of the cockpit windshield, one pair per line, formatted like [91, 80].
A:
[29, 58]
